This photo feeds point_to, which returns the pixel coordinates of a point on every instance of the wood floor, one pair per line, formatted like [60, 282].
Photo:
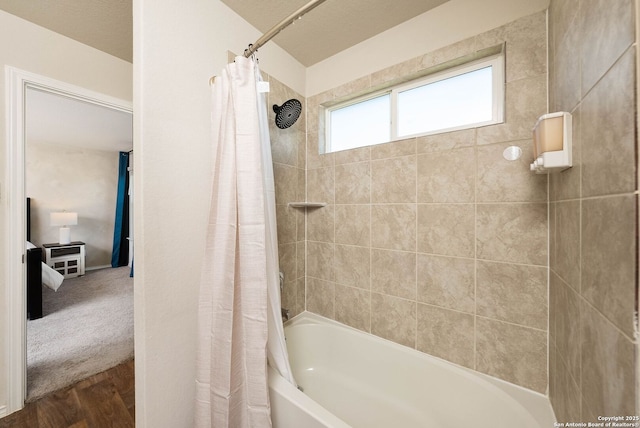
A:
[103, 400]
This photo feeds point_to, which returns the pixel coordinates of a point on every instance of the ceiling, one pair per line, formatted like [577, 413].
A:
[107, 25]
[60, 120]
[330, 28]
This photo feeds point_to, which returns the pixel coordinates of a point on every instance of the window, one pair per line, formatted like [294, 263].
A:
[468, 96]
[363, 123]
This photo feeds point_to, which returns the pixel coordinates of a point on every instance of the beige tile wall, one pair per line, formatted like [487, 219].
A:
[289, 153]
[438, 242]
[593, 231]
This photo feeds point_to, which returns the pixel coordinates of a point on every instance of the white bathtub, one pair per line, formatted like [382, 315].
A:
[354, 379]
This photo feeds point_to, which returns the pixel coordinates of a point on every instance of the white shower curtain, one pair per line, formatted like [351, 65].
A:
[238, 296]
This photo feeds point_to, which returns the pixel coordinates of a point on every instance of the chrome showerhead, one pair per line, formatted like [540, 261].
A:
[287, 113]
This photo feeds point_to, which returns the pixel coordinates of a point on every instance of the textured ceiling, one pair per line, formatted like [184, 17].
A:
[106, 25]
[331, 27]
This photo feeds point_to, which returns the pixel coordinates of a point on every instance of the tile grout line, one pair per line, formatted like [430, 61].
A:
[475, 254]
[370, 249]
[415, 257]
[333, 273]
[580, 174]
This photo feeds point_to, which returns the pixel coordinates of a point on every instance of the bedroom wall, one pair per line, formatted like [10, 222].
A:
[77, 180]
[35, 49]
[176, 50]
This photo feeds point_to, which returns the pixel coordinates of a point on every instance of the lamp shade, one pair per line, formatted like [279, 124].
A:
[64, 219]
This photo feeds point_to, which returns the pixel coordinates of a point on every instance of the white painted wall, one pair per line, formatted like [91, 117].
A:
[176, 49]
[79, 180]
[38, 50]
[448, 23]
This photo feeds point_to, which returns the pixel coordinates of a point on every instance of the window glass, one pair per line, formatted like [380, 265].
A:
[463, 97]
[362, 124]
[444, 104]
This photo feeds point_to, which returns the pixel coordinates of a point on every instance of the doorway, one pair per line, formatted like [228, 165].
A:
[18, 81]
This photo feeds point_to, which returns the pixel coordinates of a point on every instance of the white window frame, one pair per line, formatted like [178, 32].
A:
[498, 98]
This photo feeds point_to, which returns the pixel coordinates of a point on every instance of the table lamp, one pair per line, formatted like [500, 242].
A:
[64, 219]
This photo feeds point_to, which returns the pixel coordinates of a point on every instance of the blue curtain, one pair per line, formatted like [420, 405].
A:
[120, 254]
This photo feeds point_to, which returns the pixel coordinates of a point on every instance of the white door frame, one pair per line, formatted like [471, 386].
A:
[17, 82]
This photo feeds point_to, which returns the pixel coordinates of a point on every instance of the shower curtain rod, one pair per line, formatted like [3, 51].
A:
[281, 26]
[276, 29]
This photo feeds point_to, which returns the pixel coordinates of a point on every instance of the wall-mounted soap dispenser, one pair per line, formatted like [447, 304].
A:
[552, 143]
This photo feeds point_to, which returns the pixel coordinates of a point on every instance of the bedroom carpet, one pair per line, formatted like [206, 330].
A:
[87, 328]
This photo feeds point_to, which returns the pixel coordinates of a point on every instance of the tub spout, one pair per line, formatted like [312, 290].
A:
[285, 314]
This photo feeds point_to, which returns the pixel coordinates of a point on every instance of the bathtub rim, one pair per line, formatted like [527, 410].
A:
[302, 401]
[536, 404]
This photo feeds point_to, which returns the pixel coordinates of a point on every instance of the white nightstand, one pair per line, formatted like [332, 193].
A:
[68, 259]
